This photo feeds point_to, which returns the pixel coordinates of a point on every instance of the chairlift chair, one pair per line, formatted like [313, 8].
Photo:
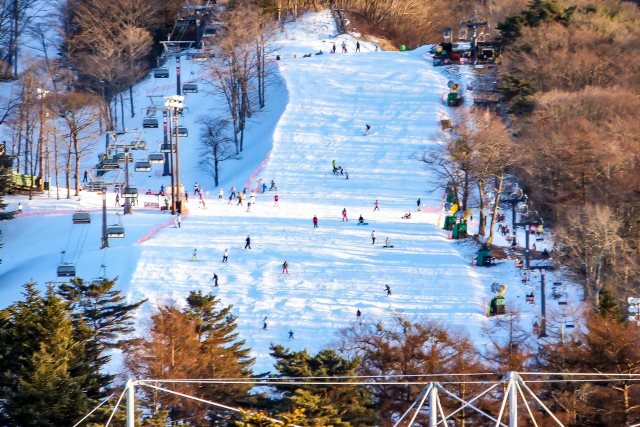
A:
[156, 158]
[569, 323]
[166, 148]
[161, 73]
[65, 269]
[115, 231]
[143, 167]
[189, 88]
[563, 300]
[81, 218]
[130, 192]
[200, 57]
[150, 122]
[100, 280]
[183, 132]
[122, 156]
[109, 164]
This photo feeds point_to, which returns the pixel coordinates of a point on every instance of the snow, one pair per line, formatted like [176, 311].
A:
[316, 111]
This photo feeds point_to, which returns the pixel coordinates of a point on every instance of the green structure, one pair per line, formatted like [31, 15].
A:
[451, 196]
[403, 48]
[484, 256]
[497, 306]
[454, 99]
[460, 230]
[449, 222]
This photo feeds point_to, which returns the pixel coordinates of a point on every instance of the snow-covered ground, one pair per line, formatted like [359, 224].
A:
[317, 108]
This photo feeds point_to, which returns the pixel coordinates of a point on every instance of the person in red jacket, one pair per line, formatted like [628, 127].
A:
[315, 221]
[275, 200]
[285, 268]
[344, 214]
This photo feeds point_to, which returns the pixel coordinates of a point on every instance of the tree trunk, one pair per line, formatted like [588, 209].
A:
[496, 205]
[76, 169]
[481, 194]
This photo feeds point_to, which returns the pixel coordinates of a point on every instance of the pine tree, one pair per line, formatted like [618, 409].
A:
[39, 357]
[323, 405]
[104, 320]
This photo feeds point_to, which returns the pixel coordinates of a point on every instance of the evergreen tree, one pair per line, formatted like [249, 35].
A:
[323, 405]
[39, 355]
[104, 320]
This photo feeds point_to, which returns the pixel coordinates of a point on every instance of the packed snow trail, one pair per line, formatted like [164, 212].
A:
[333, 270]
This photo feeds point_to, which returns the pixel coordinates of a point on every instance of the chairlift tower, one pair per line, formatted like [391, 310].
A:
[177, 49]
[473, 25]
[174, 104]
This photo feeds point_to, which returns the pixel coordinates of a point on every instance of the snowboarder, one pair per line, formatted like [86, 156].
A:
[387, 242]
[220, 193]
[358, 313]
[344, 215]
[373, 237]
[233, 191]
[225, 256]
[264, 323]
[248, 244]
[357, 46]
[388, 289]
[291, 334]
[85, 177]
[273, 186]
[315, 221]
[285, 267]
[194, 256]
[376, 205]
[215, 280]
[275, 200]
[419, 203]
[361, 220]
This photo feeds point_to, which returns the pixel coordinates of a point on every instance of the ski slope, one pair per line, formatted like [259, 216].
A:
[317, 108]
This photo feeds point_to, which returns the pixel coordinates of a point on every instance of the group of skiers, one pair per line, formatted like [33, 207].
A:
[344, 46]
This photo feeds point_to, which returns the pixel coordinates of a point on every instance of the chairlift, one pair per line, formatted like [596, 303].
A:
[130, 192]
[563, 300]
[109, 164]
[138, 145]
[166, 148]
[189, 88]
[161, 73]
[183, 132]
[150, 122]
[122, 156]
[143, 167]
[65, 269]
[81, 218]
[100, 280]
[200, 57]
[156, 158]
[115, 231]
[569, 323]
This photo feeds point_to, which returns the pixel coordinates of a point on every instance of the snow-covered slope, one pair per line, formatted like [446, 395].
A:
[317, 110]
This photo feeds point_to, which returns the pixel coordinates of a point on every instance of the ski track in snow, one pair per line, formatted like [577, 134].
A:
[316, 112]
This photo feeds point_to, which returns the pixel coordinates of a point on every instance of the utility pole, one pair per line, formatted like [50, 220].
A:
[166, 171]
[105, 237]
[543, 297]
[127, 200]
[175, 104]
[178, 87]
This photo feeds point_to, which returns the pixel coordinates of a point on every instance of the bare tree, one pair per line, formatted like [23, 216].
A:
[216, 146]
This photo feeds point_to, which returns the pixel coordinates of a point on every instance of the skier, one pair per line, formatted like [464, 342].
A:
[335, 168]
[194, 256]
[225, 256]
[376, 205]
[196, 189]
[275, 200]
[285, 267]
[220, 193]
[20, 206]
[248, 244]
[419, 203]
[344, 215]
[373, 237]
[358, 313]
[186, 196]
[201, 201]
[86, 176]
[357, 46]
[344, 46]
[315, 221]
[367, 128]
[291, 334]
[230, 199]
[249, 206]
[333, 48]
[264, 187]
[388, 289]
[264, 323]
[239, 199]
[215, 280]
[273, 186]
[233, 191]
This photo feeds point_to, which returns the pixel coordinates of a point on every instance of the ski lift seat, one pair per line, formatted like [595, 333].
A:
[199, 57]
[143, 167]
[130, 192]
[156, 158]
[81, 218]
[66, 270]
[183, 132]
[115, 231]
[569, 323]
[190, 88]
[150, 122]
[166, 148]
[122, 156]
[109, 164]
[161, 73]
